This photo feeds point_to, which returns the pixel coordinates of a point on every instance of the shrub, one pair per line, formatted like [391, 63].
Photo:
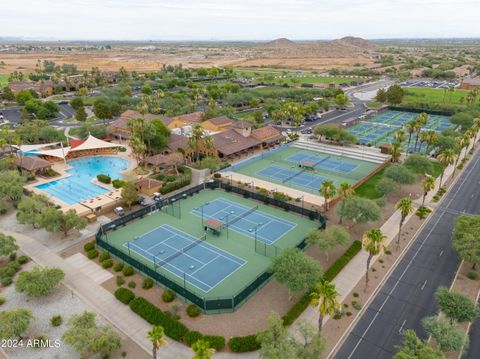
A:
[348, 314]
[418, 163]
[356, 295]
[118, 183]
[128, 271]
[153, 315]
[168, 296]
[422, 212]
[356, 305]
[124, 295]
[2, 300]
[88, 246]
[92, 254]
[342, 261]
[248, 343]
[399, 174]
[22, 259]
[118, 267]
[122, 149]
[107, 263]
[386, 186]
[216, 342]
[5, 282]
[56, 320]
[104, 256]
[120, 280]
[104, 178]
[132, 284]
[193, 311]
[472, 275]
[282, 197]
[388, 252]
[12, 256]
[147, 283]
[192, 337]
[217, 175]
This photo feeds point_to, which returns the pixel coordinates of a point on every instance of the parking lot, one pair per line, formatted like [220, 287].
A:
[430, 84]
[12, 116]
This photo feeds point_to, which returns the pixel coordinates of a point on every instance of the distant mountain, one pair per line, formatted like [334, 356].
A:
[358, 42]
[279, 44]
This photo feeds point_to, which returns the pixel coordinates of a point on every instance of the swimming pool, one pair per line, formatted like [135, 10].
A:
[78, 187]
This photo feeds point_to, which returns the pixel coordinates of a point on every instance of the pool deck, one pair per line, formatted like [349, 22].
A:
[107, 200]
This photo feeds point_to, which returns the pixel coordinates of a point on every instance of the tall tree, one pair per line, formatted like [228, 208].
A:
[455, 305]
[327, 190]
[328, 238]
[466, 238]
[411, 127]
[344, 191]
[325, 297]
[297, 271]
[395, 151]
[359, 210]
[405, 206]
[373, 243]
[275, 342]
[446, 158]
[448, 336]
[54, 220]
[399, 135]
[157, 337]
[428, 184]
[129, 194]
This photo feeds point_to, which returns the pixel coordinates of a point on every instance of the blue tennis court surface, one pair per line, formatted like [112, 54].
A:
[295, 176]
[199, 263]
[244, 219]
[323, 162]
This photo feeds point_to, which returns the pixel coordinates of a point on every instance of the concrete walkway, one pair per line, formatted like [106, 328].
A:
[98, 298]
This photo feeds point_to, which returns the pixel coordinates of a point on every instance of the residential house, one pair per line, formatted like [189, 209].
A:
[268, 136]
[119, 128]
[470, 84]
[148, 186]
[224, 123]
[189, 119]
[42, 88]
[232, 143]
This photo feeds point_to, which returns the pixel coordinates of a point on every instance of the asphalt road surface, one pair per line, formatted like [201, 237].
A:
[13, 115]
[408, 294]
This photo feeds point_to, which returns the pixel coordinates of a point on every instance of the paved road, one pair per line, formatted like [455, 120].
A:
[474, 349]
[408, 294]
[13, 115]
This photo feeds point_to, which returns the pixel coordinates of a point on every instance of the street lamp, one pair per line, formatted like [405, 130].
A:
[231, 178]
[226, 219]
[255, 229]
[201, 208]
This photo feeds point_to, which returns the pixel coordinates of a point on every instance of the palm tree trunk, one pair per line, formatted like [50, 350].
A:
[320, 323]
[154, 352]
[455, 166]
[441, 178]
[341, 212]
[326, 204]
[409, 139]
[416, 141]
[423, 200]
[369, 259]
[399, 232]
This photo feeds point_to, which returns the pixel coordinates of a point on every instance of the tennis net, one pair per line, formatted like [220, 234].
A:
[294, 175]
[162, 262]
[243, 215]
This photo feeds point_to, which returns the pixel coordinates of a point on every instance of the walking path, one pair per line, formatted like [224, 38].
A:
[102, 301]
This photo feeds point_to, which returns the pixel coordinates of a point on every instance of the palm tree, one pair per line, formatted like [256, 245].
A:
[428, 184]
[399, 135]
[395, 151]
[411, 127]
[195, 140]
[464, 142]
[406, 207]
[373, 243]
[327, 190]
[457, 151]
[157, 337]
[430, 138]
[446, 158]
[421, 121]
[476, 128]
[202, 350]
[324, 296]
[344, 191]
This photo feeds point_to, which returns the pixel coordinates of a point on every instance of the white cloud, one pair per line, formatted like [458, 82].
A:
[237, 19]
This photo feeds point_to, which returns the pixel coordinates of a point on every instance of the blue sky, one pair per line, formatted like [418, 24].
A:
[238, 19]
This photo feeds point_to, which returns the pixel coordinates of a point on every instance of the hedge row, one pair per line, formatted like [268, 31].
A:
[104, 178]
[173, 328]
[249, 342]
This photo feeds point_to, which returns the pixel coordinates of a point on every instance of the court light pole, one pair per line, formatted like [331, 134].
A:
[201, 209]
[255, 229]
[226, 218]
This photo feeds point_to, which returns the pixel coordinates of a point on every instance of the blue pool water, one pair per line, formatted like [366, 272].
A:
[78, 187]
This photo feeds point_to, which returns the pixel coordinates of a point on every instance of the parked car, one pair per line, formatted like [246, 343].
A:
[157, 197]
[143, 202]
[307, 131]
[119, 211]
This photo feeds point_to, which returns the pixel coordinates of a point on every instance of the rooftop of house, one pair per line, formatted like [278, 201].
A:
[230, 142]
[32, 163]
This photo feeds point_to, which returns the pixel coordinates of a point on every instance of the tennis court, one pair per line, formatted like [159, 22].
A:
[304, 169]
[174, 244]
[380, 129]
[191, 259]
[246, 220]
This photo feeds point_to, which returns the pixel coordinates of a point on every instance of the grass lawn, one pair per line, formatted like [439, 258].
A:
[3, 80]
[317, 80]
[413, 95]
[368, 189]
[374, 104]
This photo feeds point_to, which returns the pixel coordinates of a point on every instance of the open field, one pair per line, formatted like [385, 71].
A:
[433, 96]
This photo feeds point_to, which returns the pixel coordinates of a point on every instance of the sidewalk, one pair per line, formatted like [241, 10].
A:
[101, 301]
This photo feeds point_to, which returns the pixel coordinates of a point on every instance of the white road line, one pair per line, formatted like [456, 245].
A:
[401, 327]
[466, 174]
[441, 253]
[424, 284]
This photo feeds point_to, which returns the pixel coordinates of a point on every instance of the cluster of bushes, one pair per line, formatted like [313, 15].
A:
[282, 197]
[422, 212]
[173, 328]
[248, 343]
[124, 295]
[117, 183]
[439, 194]
[168, 296]
[342, 261]
[104, 178]
[172, 183]
[8, 271]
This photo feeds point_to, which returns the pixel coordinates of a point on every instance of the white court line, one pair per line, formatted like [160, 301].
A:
[166, 239]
